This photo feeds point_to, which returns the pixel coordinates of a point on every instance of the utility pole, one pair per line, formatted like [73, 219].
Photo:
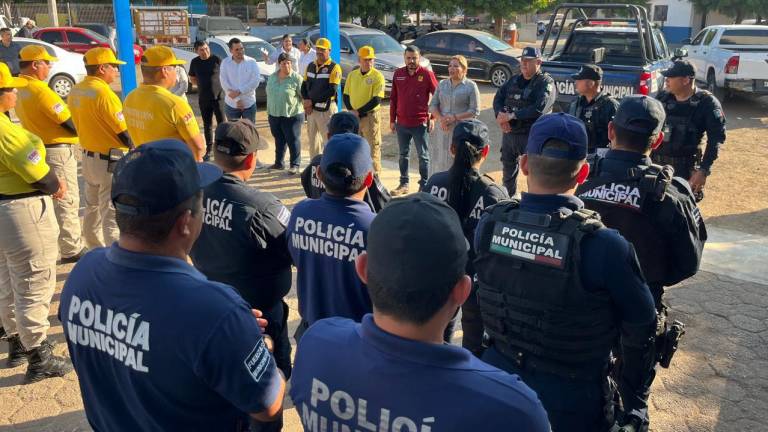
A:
[53, 11]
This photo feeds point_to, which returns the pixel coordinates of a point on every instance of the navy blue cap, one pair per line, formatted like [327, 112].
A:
[559, 126]
[472, 131]
[350, 151]
[159, 176]
[531, 52]
[680, 68]
[640, 114]
[590, 72]
[343, 122]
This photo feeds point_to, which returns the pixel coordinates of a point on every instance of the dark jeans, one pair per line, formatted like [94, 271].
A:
[208, 109]
[287, 132]
[237, 113]
[512, 146]
[419, 136]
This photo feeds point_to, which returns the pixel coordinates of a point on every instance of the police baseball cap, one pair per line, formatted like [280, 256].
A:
[238, 138]
[680, 68]
[531, 52]
[641, 114]
[416, 242]
[323, 43]
[35, 53]
[343, 122]
[473, 132]
[590, 72]
[101, 55]
[367, 52]
[160, 55]
[349, 151]
[562, 127]
[159, 176]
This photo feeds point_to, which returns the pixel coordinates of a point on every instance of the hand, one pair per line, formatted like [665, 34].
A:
[430, 125]
[240, 104]
[697, 181]
[269, 342]
[392, 127]
[502, 118]
[233, 94]
[259, 320]
[264, 56]
[59, 194]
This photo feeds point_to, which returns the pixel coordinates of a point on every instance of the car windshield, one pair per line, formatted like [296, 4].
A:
[744, 37]
[620, 48]
[492, 43]
[95, 35]
[220, 24]
[381, 43]
[97, 28]
[253, 49]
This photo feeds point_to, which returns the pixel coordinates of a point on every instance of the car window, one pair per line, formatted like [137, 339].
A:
[709, 37]
[463, 43]
[492, 42]
[699, 37]
[344, 43]
[381, 43]
[430, 41]
[218, 50]
[658, 42]
[52, 37]
[744, 37]
[78, 38]
[50, 50]
[254, 49]
[620, 48]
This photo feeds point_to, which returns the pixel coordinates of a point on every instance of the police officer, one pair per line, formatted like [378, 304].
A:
[98, 115]
[557, 290]
[690, 113]
[392, 371]
[517, 104]
[376, 196]
[45, 114]
[153, 113]
[469, 193]
[319, 89]
[594, 107]
[28, 247]
[146, 330]
[243, 238]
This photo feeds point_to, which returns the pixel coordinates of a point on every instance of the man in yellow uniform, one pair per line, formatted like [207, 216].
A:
[363, 93]
[28, 248]
[321, 82]
[45, 114]
[153, 112]
[98, 116]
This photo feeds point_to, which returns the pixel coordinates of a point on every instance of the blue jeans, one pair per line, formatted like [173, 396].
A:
[419, 136]
[287, 132]
[237, 113]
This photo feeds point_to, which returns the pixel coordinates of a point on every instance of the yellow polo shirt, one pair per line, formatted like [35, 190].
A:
[22, 158]
[98, 115]
[42, 112]
[153, 113]
[362, 88]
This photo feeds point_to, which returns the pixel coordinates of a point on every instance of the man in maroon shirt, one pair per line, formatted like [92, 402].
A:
[412, 87]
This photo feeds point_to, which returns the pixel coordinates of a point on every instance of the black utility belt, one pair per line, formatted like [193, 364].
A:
[20, 196]
[531, 363]
[60, 145]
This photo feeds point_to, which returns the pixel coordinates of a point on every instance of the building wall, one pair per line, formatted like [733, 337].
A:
[679, 19]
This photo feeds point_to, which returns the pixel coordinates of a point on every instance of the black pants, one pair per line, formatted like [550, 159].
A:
[512, 146]
[208, 109]
[277, 329]
[287, 133]
[472, 324]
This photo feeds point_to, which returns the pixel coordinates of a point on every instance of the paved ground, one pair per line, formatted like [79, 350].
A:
[719, 379]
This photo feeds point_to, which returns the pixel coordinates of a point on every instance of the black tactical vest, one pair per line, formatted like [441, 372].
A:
[682, 137]
[533, 304]
[590, 115]
[520, 97]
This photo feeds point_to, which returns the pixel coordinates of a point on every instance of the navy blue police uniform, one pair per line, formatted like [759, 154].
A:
[595, 113]
[527, 100]
[557, 290]
[326, 235]
[358, 376]
[242, 243]
[687, 122]
[150, 335]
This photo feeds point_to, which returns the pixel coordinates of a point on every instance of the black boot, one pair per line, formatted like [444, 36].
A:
[16, 352]
[43, 364]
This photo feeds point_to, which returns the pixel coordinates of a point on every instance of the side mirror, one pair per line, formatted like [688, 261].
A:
[345, 50]
[680, 53]
[686, 41]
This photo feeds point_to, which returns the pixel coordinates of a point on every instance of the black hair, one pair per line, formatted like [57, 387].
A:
[198, 44]
[461, 177]
[25, 64]
[339, 181]
[283, 57]
[286, 36]
[91, 70]
[553, 172]
[5, 30]
[233, 41]
[5, 90]
[154, 229]
[634, 141]
[412, 49]
[305, 41]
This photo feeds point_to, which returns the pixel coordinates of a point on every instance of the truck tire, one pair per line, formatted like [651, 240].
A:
[719, 92]
[499, 75]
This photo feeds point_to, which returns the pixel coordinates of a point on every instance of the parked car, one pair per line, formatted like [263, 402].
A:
[488, 58]
[105, 30]
[66, 72]
[731, 58]
[253, 48]
[211, 26]
[80, 40]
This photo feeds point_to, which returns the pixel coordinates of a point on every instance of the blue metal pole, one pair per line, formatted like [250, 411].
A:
[124, 26]
[329, 28]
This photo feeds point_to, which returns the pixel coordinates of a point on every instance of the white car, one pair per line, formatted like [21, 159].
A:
[65, 73]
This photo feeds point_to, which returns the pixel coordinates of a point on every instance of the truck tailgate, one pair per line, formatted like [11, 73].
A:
[753, 64]
[619, 81]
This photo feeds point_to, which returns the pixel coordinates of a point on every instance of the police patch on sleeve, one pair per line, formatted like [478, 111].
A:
[284, 216]
[58, 108]
[120, 117]
[34, 157]
[257, 360]
[530, 244]
[188, 117]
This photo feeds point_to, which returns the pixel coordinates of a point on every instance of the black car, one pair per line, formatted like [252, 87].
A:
[488, 58]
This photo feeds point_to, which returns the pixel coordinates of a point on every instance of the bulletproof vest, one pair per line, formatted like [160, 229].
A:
[531, 296]
[630, 204]
[594, 122]
[520, 97]
[682, 137]
[318, 78]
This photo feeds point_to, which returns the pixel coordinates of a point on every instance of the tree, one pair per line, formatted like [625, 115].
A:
[293, 7]
[501, 9]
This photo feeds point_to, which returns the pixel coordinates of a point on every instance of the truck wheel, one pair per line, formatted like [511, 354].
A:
[61, 84]
[499, 75]
[719, 92]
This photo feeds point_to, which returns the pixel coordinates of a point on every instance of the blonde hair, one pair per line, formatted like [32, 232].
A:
[462, 62]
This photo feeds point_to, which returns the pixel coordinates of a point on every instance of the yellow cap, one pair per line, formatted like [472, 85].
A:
[101, 55]
[9, 81]
[323, 43]
[366, 53]
[35, 53]
[160, 55]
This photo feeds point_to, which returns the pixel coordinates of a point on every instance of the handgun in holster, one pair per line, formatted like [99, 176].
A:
[669, 342]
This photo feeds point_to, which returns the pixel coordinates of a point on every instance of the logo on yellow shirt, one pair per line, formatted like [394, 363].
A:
[120, 116]
[34, 157]
[188, 117]
[58, 108]
[369, 81]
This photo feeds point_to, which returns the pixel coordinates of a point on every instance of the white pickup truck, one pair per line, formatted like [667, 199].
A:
[731, 58]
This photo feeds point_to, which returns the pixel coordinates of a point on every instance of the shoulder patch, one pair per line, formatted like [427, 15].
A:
[257, 360]
[120, 117]
[284, 216]
[34, 157]
[530, 244]
[188, 117]
[58, 108]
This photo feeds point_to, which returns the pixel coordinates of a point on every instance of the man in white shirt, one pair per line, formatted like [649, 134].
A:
[308, 55]
[288, 48]
[239, 75]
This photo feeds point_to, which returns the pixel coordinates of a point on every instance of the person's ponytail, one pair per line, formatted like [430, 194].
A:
[461, 177]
